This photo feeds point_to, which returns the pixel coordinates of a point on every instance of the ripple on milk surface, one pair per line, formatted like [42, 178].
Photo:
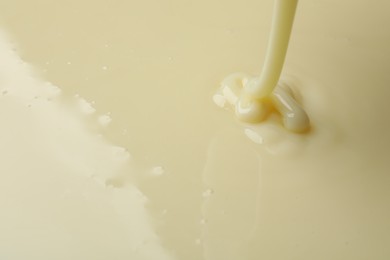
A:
[56, 176]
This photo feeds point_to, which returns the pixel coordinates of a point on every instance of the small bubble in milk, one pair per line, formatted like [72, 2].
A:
[207, 193]
[158, 171]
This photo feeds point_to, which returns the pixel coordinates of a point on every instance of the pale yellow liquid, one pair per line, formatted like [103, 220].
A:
[172, 176]
[253, 98]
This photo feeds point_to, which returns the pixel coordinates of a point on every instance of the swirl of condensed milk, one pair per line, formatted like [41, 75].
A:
[253, 96]
[249, 110]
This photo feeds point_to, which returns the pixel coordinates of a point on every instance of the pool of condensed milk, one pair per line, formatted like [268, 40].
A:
[112, 146]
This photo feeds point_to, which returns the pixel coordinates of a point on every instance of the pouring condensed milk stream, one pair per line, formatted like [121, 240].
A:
[252, 96]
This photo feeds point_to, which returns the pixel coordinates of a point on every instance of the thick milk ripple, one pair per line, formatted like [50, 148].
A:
[282, 119]
[64, 171]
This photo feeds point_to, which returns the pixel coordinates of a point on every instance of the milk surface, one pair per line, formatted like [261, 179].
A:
[113, 147]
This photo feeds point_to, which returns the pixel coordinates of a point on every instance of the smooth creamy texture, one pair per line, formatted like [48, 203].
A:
[58, 194]
[281, 101]
[253, 98]
[194, 184]
[282, 22]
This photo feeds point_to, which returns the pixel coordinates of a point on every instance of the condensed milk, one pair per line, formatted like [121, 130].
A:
[113, 148]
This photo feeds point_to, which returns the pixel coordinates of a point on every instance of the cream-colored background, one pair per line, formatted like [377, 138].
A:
[154, 65]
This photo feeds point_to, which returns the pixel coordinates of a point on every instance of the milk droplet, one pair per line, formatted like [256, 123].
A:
[207, 193]
[158, 171]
